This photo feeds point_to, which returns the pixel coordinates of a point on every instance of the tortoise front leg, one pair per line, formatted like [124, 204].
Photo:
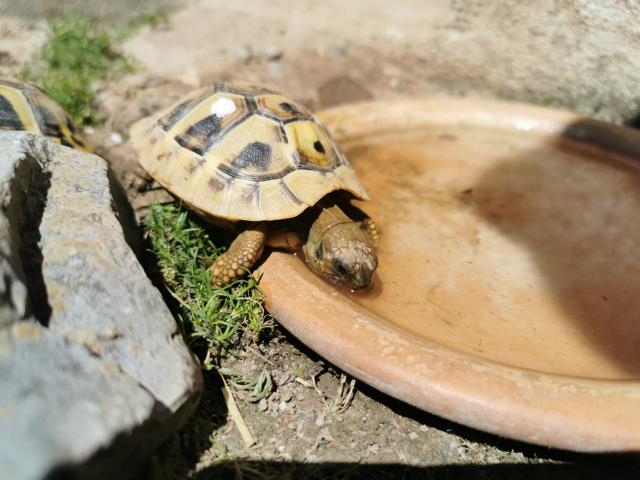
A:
[243, 252]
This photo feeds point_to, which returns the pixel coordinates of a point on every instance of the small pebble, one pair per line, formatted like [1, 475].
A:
[115, 138]
[272, 52]
[243, 53]
[263, 405]
[423, 428]
[274, 68]
[282, 406]
[413, 435]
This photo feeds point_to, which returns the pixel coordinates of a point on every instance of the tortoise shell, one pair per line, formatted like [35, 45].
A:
[241, 152]
[24, 106]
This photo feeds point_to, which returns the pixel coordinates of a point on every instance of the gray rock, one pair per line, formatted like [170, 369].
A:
[93, 371]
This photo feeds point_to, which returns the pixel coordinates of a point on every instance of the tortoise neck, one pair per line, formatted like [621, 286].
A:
[329, 217]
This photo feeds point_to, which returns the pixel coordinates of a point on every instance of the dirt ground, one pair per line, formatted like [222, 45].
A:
[324, 59]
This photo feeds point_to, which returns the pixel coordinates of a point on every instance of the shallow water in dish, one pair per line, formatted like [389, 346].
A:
[512, 247]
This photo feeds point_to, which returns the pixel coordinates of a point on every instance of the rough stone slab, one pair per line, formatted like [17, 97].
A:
[108, 376]
[60, 403]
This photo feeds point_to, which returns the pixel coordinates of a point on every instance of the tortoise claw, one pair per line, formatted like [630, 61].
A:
[372, 229]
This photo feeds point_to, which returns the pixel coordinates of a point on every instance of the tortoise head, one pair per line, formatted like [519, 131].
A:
[343, 254]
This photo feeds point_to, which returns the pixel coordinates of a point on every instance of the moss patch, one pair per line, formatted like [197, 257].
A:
[76, 54]
[212, 319]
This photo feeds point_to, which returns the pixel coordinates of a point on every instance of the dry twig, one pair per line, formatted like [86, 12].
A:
[236, 416]
[344, 395]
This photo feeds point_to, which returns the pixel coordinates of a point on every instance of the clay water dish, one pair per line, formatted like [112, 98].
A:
[508, 292]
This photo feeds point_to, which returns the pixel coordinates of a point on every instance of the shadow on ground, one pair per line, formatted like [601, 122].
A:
[180, 455]
[254, 469]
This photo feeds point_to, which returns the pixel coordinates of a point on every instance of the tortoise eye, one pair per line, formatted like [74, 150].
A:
[318, 146]
[319, 253]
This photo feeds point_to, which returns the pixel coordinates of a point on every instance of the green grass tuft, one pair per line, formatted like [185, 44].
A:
[211, 317]
[76, 54]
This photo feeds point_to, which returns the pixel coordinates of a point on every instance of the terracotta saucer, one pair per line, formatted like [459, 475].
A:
[508, 292]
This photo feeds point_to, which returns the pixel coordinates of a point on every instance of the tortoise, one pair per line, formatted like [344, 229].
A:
[248, 158]
[23, 106]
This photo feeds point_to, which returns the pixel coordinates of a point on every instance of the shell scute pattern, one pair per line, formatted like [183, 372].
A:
[280, 108]
[259, 156]
[25, 107]
[254, 155]
[171, 117]
[313, 145]
[9, 118]
[246, 89]
[207, 121]
[241, 152]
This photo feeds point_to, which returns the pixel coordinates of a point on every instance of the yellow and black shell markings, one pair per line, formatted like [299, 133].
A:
[25, 107]
[241, 152]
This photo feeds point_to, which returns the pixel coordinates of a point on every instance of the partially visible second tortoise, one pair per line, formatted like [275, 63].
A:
[24, 106]
[249, 159]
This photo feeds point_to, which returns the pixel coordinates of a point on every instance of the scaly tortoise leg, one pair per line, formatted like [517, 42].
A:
[243, 252]
[372, 229]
